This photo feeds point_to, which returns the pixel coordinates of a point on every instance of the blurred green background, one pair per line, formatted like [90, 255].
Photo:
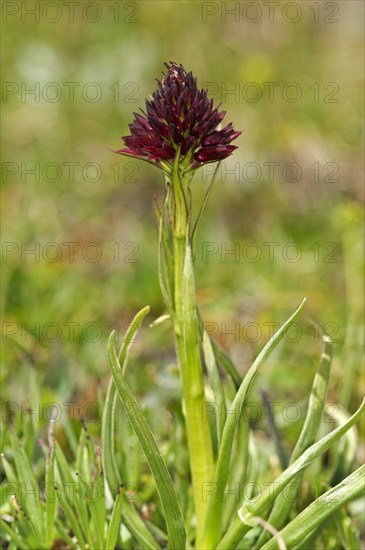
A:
[289, 77]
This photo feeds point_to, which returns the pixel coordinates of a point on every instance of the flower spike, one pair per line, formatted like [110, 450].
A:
[179, 116]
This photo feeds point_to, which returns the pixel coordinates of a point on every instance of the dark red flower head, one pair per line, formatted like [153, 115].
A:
[179, 115]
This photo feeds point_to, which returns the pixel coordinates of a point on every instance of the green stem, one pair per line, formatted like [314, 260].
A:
[186, 326]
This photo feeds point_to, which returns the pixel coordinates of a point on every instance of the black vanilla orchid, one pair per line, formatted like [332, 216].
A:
[179, 116]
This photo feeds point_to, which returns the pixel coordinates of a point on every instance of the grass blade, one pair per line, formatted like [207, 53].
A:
[204, 204]
[308, 433]
[320, 509]
[130, 515]
[222, 357]
[165, 256]
[65, 535]
[273, 431]
[349, 534]
[239, 528]
[95, 534]
[100, 490]
[114, 524]
[19, 541]
[74, 497]
[239, 471]
[107, 439]
[213, 527]
[50, 493]
[32, 502]
[74, 523]
[346, 452]
[317, 401]
[165, 487]
[216, 383]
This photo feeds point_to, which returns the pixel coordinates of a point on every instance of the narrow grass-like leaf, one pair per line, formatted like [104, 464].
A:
[65, 472]
[222, 357]
[165, 487]
[317, 401]
[216, 383]
[320, 509]
[308, 433]
[32, 504]
[346, 452]
[273, 431]
[107, 439]
[24, 528]
[19, 541]
[82, 457]
[66, 480]
[72, 439]
[226, 362]
[65, 535]
[129, 335]
[130, 516]
[91, 500]
[238, 528]
[89, 444]
[115, 519]
[9, 471]
[29, 437]
[165, 256]
[348, 532]
[73, 520]
[213, 524]
[137, 527]
[100, 492]
[25, 525]
[50, 493]
[30, 434]
[238, 471]
[160, 535]
[204, 204]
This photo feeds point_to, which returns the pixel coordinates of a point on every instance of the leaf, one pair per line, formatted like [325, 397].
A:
[320, 509]
[65, 535]
[100, 491]
[221, 356]
[32, 502]
[165, 256]
[313, 419]
[216, 383]
[73, 520]
[92, 500]
[273, 431]
[13, 535]
[238, 529]
[239, 475]
[349, 534]
[213, 527]
[70, 492]
[130, 516]
[107, 438]
[204, 204]
[317, 401]
[50, 493]
[165, 487]
[346, 452]
[114, 524]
